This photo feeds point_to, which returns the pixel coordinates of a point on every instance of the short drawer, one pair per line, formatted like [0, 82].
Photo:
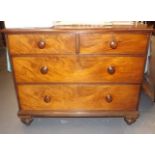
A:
[78, 69]
[111, 43]
[41, 43]
[78, 97]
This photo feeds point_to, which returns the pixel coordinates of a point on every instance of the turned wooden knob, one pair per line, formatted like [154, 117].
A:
[44, 70]
[113, 44]
[111, 69]
[109, 98]
[47, 99]
[41, 44]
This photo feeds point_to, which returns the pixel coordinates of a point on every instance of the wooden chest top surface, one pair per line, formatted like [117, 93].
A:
[81, 28]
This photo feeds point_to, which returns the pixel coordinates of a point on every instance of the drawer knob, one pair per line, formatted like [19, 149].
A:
[109, 98]
[113, 44]
[44, 70]
[47, 99]
[111, 69]
[41, 44]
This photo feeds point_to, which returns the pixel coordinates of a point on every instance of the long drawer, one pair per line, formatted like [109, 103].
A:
[85, 69]
[78, 97]
[113, 43]
[41, 43]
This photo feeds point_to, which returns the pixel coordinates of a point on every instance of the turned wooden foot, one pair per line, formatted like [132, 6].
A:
[26, 120]
[130, 119]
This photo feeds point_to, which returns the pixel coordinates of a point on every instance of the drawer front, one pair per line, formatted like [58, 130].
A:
[78, 97]
[122, 43]
[41, 43]
[85, 69]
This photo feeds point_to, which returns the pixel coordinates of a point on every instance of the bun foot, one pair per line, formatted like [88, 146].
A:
[26, 120]
[130, 120]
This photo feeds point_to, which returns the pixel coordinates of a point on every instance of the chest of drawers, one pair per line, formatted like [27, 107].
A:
[79, 71]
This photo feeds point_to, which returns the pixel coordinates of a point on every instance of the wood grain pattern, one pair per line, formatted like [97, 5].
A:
[29, 43]
[78, 97]
[127, 43]
[78, 69]
[77, 113]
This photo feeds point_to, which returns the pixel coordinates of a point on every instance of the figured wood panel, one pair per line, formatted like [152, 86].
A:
[85, 69]
[78, 97]
[127, 43]
[29, 43]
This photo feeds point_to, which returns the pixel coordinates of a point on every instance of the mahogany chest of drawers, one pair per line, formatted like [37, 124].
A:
[79, 71]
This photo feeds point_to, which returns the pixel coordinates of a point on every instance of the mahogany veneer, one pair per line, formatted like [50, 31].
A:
[87, 69]
[42, 43]
[104, 43]
[78, 97]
